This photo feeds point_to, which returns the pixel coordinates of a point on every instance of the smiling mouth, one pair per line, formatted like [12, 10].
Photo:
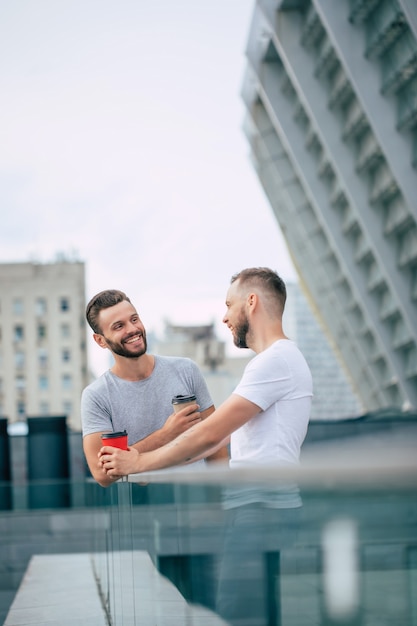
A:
[133, 339]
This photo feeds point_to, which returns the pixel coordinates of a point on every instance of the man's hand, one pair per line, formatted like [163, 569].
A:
[177, 423]
[116, 463]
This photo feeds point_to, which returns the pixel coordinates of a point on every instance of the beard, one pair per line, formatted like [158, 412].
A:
[241, 332]
[120, 350]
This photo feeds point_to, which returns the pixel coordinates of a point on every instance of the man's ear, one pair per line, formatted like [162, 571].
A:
[99, 339]
[252, 301]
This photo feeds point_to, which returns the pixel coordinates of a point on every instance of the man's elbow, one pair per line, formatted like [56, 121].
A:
[101, 478]
[103, 482]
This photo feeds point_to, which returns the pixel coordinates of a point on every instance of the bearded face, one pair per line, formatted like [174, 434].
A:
[241, 329]
[131, 347]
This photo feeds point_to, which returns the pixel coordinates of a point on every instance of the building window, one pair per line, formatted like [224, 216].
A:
[66, 355]
[67, 407]
[20, 382]
[21, 409]
[44, 408]
[43, 382]
[66, 381]
[65, 331]
[18, 306]
[42, 357]
[19, 333]
[40, 307]
[41, 331]
[64, 304]
[19, 360]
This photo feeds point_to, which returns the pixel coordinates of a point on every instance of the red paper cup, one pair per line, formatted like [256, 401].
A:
[117, 440]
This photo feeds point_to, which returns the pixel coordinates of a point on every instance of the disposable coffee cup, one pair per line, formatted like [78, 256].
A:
[117, 440]
[179, 402]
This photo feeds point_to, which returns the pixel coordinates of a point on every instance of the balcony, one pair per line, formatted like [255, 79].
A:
[383, 188]
[360, 9]
[326, 60]
[355, 122]
[384, 27]
[370, 153]
[407, 106]
[399, 65]
[407, 253]
[312, 30]
[398, 218]
[341, 89]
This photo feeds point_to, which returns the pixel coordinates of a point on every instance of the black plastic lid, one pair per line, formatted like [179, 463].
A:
[122, 433]
[183, 399]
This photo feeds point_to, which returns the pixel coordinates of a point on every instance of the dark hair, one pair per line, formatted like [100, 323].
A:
[265, 278]
[102, 300]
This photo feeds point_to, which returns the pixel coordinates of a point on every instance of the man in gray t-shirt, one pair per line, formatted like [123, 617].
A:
[136, 393]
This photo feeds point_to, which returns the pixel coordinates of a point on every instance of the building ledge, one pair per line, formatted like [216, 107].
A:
[62, 590]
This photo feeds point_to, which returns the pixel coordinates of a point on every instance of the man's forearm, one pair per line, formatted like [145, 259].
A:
[193, 444]
[153, 441]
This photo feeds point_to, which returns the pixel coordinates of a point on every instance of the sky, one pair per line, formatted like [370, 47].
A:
[122, 145]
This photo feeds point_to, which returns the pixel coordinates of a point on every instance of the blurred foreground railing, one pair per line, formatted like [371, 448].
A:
[348, 556]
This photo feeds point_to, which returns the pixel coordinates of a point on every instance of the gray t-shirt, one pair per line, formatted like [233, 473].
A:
[141, 407]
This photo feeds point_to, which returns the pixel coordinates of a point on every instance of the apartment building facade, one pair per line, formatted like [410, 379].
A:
[331, 98]
[43, 355]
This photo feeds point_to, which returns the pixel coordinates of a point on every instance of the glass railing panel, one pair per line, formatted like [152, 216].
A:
[120, 555]
[270, 565]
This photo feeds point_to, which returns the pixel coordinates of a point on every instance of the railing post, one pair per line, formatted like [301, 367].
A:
[5, 467]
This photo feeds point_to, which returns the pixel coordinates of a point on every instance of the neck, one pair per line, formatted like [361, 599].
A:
[264, 336]
[133, 369]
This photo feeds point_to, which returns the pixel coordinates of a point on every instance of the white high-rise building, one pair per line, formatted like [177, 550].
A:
[331, 97]
[43, 357]
[334, 396]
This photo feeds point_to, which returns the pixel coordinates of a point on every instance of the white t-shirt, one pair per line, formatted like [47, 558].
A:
[279, 381]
